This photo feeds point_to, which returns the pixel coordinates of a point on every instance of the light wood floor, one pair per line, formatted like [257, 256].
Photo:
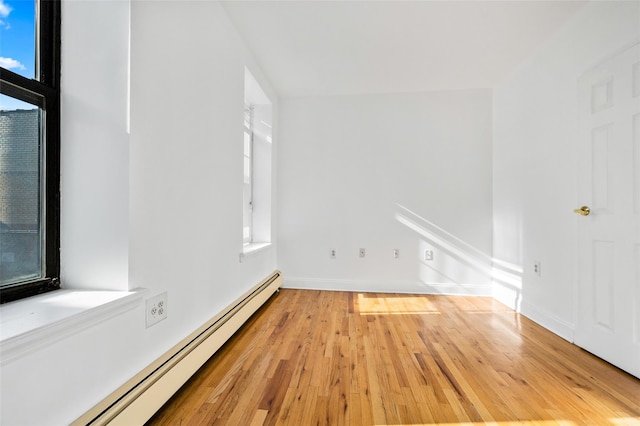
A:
[333, 358]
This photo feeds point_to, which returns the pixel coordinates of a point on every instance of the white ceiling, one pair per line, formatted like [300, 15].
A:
[310, 48]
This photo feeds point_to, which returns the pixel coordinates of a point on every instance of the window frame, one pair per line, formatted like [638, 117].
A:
[43, 92]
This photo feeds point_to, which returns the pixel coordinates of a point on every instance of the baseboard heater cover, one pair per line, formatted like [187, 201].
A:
[136, 401]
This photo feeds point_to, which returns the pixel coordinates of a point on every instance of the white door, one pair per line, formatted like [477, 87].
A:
[608, 290]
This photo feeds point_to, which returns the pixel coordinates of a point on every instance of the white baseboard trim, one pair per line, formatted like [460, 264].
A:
[556, 325]
[508, 296]
[512, 298]
[408, 287]
[140, 397]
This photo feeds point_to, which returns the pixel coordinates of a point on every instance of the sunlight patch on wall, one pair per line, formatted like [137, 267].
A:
[507, 283]
[448, 260]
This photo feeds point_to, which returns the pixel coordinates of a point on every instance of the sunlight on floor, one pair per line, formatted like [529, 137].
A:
[626, 421]
[510, 423]
[367, 304]
[394, 304]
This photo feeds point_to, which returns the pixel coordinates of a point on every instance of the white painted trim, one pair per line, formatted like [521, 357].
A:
[549, 321]
[250, 249]
[365, 286]
[508, 296]
[30, 324]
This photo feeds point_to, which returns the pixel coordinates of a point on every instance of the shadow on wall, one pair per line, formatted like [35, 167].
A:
[449, 265]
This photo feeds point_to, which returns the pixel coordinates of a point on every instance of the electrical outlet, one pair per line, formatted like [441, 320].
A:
[428, 255]
[362, 252]
[332, 254]
[396, 253]
[537, 268]
[156, 309]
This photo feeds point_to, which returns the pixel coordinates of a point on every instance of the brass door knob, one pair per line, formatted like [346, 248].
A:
[584, 211]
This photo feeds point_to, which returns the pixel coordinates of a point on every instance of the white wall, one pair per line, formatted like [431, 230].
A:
[380, 172]
[161, 209]
[186, 159]
[535, 176]
[95, 145]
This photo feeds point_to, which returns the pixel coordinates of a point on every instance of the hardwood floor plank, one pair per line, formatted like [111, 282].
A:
[282, 416]
[311, 396]
[258, 418]
[335, 358]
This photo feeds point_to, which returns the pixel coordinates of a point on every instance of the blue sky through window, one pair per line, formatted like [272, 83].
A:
[17, 40]
[17, 36]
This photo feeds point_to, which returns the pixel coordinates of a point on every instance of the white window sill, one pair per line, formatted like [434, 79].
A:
[250, 249]
[29, 324]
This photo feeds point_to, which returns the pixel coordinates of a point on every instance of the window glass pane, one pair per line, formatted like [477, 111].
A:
[247, 116]
[18, 36]
[247, 158]
[247, 170]
[247, 144]
[246, 213]
[20, 195]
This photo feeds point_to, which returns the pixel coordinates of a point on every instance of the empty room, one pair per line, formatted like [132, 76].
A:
[319, 212]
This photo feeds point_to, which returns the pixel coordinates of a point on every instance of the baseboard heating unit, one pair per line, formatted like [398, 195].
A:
[136, 401]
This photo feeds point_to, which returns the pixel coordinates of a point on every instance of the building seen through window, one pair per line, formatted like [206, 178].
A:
[20, 224]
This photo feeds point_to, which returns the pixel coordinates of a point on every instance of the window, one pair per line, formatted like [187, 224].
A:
[257, 152]
[247, 187]
[29, 147]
